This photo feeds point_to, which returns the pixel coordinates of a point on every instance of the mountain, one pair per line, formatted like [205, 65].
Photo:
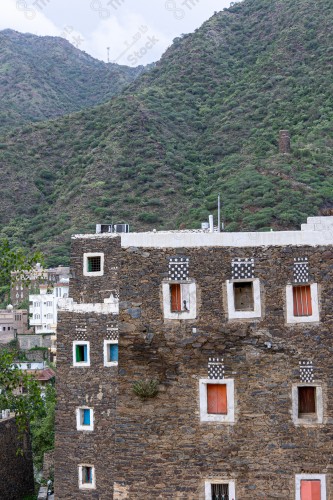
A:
[45, 77]
[205, 120]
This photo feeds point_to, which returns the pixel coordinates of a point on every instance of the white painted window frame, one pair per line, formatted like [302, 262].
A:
[208, 488]
[81, 427]
[314, 318]
[229, 418]
[319, 405]
[168, 314]
[85, 264]
[232, 313]
[105, 353]
[87, 486]
[81, 364]
[309, 477]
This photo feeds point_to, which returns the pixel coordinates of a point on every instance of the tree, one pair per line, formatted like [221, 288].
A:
[14, 260]
[20, 393]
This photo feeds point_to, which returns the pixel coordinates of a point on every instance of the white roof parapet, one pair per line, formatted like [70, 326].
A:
[68, 305]
[317, 232]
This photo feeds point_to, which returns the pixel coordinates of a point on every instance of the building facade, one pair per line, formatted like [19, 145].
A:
[223, 387]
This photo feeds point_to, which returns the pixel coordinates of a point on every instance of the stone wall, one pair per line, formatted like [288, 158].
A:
[16, 471]
[163, 450]
[28, 341]
[95, 387]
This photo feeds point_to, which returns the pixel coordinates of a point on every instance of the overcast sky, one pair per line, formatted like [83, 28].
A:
[136, 31]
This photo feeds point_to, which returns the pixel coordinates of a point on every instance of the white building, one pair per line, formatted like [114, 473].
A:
[43, 307]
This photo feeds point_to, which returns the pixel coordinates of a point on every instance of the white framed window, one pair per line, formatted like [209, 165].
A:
[87, 477]
[179, 300]
[81, 353]
[307, 404]
[110, 352]
[219, 488]
[302, 303]
[37, 316]
[84, 419]
[217, 400]
[310, 486]
[93, 264]
[244, 300]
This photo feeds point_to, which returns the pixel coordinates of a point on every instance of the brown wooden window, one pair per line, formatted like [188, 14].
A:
[302, 300]
[310, 490]
[176, 298]
[306, 401]
[243, 294]
[217, 399]
[220, 492]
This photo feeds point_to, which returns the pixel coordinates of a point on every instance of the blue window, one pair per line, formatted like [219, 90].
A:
[113, 353]
[86, 417]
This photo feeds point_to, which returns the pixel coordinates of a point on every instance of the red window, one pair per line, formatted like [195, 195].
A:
[217, 399]
[176, 298]
[310, 490]
[302, 300]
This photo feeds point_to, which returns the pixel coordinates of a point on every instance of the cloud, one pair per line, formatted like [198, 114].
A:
[26, 17]
[131, 40]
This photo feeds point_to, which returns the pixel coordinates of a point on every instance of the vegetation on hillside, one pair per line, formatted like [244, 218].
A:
[46, 77]
[205, 120]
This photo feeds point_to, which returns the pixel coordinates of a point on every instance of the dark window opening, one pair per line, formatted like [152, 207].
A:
[306, 401]
[81, 353]
[243, 293]
[220, 492]
[302, 300]
[87, 476]
[94, 264]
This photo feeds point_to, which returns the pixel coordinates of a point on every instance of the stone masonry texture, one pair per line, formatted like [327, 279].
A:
[159, 448]
[16, 470]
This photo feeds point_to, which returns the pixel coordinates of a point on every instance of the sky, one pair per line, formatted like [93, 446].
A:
[130, 32]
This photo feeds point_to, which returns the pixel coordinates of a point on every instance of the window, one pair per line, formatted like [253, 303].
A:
[179, 300]
[307, 400]
[243, 296]
[49, 303]
[310, 487]
[81, 353]
[110, 352]
[93, 264]
[219, 490]
[84, 419]
[37, 316]
[87, 478]
[216, 400]
[302, 303]
[8, 328]
[244, 301]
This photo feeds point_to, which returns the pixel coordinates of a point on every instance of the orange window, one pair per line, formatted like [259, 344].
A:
[176, 298]
[302, 300]
[217, 399]
[310, 490]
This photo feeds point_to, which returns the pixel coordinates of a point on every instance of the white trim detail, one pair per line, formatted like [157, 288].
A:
[87, 486]
[319, 418]
[310, 477]
[79, 425]
[105, 353]
[232, 313]
[208, 488]
[82, 364]
[291, 319]
[107, 308]
[190, 289]
[85, 264]
[229, 418]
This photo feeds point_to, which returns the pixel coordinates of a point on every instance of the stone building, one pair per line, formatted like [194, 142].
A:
[230, 336]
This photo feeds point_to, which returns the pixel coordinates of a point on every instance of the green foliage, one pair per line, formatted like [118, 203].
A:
[42, 429]
[27, 406]
[145, 389]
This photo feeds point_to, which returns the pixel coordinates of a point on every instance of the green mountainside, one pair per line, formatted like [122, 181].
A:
[46, 77]
[205, 120]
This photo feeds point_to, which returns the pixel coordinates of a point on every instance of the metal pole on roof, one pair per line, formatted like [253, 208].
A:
[219, 213]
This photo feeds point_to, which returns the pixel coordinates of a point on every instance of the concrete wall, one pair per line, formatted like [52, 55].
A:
[16, 471]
